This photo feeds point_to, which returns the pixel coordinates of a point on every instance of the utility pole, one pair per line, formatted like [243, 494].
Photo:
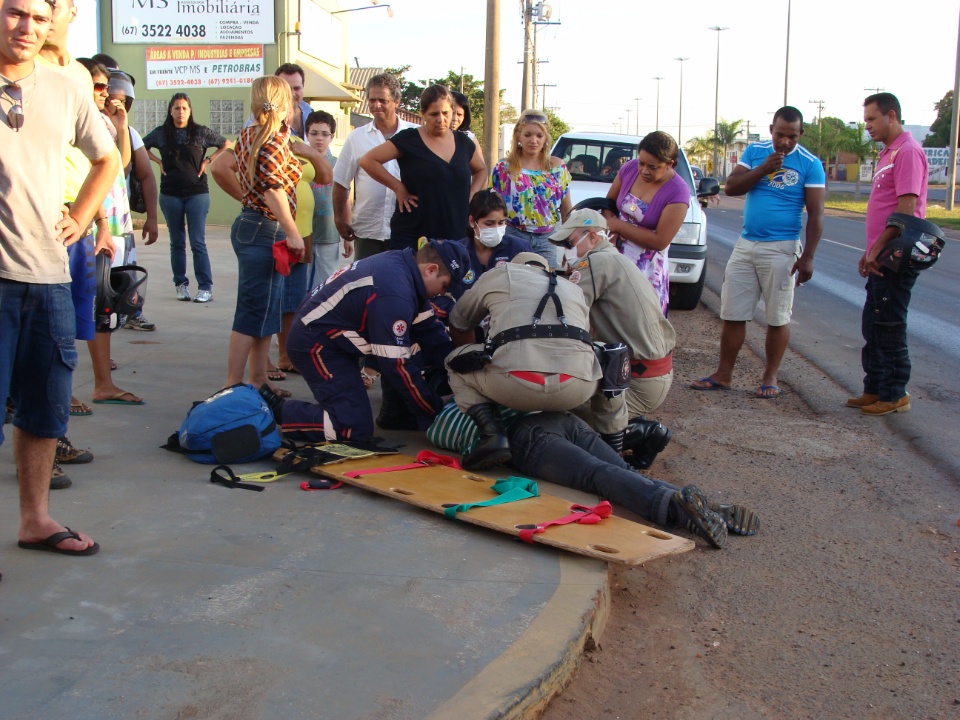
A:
[658, 79]
[544, 94]
[628, 118]
[820, 104]
[491, 86]
[954, 128]
[680, 121]
[638, 114]
[526, 94]
[716, 103]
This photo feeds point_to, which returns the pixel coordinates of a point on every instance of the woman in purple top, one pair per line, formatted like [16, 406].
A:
[652, 200]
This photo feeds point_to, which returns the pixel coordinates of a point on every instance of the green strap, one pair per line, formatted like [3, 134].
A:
[508, 490]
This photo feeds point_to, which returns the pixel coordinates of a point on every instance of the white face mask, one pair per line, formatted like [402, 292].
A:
[491, 237]
[570, 254]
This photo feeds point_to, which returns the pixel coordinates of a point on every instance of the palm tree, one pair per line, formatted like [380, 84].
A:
[698, 149]
[726, 135]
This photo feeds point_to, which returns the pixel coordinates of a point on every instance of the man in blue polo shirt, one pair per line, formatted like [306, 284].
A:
[779, 178]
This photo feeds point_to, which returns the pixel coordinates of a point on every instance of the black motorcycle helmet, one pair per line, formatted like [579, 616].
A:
[120, 293]
[917, 246]
[596, 203]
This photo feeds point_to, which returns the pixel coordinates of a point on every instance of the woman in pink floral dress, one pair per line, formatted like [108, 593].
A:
[652, 201]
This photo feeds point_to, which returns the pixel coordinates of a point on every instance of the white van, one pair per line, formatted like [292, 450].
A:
[593, 160]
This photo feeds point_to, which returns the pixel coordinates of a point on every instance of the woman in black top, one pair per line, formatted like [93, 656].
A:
[440, 170]
[184, 196]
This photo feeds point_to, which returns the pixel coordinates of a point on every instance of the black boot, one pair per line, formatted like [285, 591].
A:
[273, 401]
[493, 447]
[614, 440]
[644, 439]
[394, 413]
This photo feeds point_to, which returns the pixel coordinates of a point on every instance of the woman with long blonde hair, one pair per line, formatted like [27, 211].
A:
[262, 173]
[534, 185]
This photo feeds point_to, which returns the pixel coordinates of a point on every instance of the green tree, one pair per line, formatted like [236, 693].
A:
[940, 129]
[857, 142]
[825, 139]
[409, 90]
[557, 126]
[699, 150]
[726, 135]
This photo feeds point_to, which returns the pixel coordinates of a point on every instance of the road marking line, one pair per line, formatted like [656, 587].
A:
[836, 242]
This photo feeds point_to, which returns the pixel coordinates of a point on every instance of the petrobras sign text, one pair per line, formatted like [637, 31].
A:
[181, 67]
[192, 21]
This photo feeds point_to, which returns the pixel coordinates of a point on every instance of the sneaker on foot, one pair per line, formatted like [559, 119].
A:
[183, 293]
[69, 454]
[58, 478]
[203, 296]
[694, 514]
[740, 520]
[139, 322]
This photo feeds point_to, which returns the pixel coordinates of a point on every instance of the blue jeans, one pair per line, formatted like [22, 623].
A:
[539, 243]
[192, 211]
[562, 449]
[37, 355]
[885, 358]
[259, 286]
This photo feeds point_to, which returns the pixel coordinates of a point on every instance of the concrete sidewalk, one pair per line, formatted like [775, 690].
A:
[207, 602]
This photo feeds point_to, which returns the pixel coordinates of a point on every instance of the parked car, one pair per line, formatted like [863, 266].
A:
[594, 159]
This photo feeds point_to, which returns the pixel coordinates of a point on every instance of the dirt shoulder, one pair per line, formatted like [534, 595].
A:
[844, 606]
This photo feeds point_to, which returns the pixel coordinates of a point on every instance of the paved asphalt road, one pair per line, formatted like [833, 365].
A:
[826, 324]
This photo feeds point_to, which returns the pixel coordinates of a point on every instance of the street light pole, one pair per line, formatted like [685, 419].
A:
[680, 121]
[786, 67]
[628, 111]
[658, 79]
[638, 114]
[716, 101]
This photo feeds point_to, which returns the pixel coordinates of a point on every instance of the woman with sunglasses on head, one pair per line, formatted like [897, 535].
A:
[535, 186]
[440, 170]
[652, 200]
[184, 194]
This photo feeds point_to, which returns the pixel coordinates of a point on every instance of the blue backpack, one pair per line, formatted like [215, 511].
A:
[234, 425]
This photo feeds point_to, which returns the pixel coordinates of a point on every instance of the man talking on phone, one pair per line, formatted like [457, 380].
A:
[780, 178]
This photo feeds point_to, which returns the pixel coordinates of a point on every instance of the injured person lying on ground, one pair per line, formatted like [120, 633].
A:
[560, 448]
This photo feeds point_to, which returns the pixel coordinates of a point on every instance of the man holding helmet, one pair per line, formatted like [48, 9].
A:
[899, 186]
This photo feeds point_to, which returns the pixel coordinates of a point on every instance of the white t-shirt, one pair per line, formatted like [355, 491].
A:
[375, 202]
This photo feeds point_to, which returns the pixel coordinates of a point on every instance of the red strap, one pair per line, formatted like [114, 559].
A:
[529, 376]
[581, 514]
[424, 457]
[653, 368]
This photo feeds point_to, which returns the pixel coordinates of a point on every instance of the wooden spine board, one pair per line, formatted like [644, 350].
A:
[614, 539]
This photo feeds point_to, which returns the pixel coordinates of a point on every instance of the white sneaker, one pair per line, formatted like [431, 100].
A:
[183, 293]
[203, 296]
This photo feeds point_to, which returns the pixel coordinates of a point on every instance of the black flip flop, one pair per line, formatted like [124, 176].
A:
[50, 544]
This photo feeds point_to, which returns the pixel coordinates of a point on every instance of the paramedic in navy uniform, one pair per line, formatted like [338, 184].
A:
[369, 308]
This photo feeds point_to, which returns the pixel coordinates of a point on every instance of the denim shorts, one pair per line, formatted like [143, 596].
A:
[259, 286]
[295, 287]
[83, 285]
[37, 355]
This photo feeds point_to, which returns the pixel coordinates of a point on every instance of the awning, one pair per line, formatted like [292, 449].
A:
[320, 87]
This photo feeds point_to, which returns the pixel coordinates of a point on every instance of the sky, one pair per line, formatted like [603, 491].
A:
[605, 53]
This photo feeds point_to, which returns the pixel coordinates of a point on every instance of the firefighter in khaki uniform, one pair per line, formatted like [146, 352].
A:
[625, 308]
[540, 354]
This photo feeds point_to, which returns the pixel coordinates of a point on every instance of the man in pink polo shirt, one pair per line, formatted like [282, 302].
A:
[899, 186]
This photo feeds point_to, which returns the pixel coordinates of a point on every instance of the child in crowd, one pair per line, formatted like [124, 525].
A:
[321, 127]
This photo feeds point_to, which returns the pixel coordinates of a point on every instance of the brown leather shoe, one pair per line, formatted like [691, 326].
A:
[863, 400]
[881, 407]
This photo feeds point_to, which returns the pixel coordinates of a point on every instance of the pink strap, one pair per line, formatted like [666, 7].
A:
[424, 458]
[581, 514]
